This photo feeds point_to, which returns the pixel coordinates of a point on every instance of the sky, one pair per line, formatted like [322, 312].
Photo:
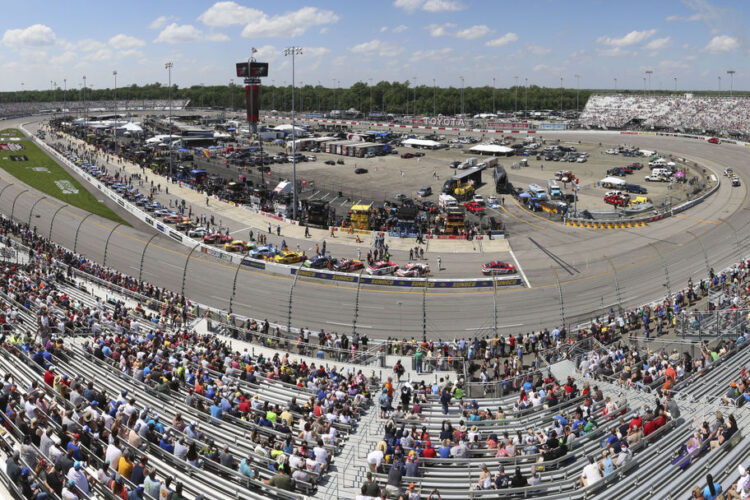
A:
[537, 41]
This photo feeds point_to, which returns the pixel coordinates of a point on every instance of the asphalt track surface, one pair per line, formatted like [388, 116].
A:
[580, 258]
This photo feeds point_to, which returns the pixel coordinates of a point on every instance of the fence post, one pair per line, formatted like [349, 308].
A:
[13, 207]
[49, 237]
[75, 240]
[291, 299]
[31, 212]
[705, 254]
[184, 270]
[106, 244]
[6, 187]
[143, 255]
[666, 270]
[559, 291]
[234, 284]
[356, 303]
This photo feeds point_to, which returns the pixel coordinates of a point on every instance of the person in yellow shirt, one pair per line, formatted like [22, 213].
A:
[287, 417]
[125, 466]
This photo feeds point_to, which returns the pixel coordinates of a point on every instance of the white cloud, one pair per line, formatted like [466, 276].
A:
[631, 38]
[217, 37]
[669, 64]
[175, 33]
[439, 29]
[658, 44]
[429, 5]
[130, 53]
[36, 35]
[125, 42]
[378, 47]
[503, 40]
[432, 55]
[442, 6]
[400, 28]
[160, 22]
[542, 67]
[537, 50]
[223, 14]
[66, 57]
[290, 24]
[324, 30]
[694, 17]
[477, 31]
[86, 45]
[722, 43]
[384, 29]
[613, 52]
[101, 55]
[267, 53]
[314, 52]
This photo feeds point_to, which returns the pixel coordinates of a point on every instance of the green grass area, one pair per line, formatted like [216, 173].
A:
[32, 166]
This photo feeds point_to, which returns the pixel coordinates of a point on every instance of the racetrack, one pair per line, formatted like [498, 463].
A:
[542, 247]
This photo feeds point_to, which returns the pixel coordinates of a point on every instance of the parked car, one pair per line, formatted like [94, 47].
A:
[635, 188]
[424, 191]
[349, 265]
[360, 170]
[498, 267]
[329, 162]
[320, 262]
[197, 232]
[288, 258]
[264, 251]
[407, 155]
[473, 207]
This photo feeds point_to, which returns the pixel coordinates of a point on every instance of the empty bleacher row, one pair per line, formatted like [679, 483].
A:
[11, 109]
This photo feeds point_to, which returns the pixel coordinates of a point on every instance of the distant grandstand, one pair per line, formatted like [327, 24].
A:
[13, 109]
[686, 113]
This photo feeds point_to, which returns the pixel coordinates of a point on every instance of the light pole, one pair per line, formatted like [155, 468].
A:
[414, 79]
[578, 88]
[168, 66]
[561, 96]
[644, 86]
[334, 93]
[675, 84]
[731, 73]
[719, 83]
[85, 109]
[114, 73]
[516, 86]
[434, 98]
[526, 98]
[615, 84]
[648, 74]
[493, 94]
[370, 80]
[462, 95]
[293, 51]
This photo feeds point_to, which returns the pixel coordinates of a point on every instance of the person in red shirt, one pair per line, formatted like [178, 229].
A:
[429, 451]
[49, 376]
[650, 427]
[661, 419]
[636, 422]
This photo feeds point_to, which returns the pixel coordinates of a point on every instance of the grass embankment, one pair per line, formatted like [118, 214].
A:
[28, 163]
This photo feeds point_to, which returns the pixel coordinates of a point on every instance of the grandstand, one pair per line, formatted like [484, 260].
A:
[686, 113]
[112, 385]
[16, 109]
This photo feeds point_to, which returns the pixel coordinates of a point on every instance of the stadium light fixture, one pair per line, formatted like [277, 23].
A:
[731, 73]
[294, 51]
[168, 66]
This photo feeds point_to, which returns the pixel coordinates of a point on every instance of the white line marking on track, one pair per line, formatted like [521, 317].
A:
[346, 324]
[490, 327]
[518, 266]
[240, 230]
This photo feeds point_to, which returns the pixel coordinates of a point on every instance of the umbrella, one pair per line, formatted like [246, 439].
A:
[679, 173]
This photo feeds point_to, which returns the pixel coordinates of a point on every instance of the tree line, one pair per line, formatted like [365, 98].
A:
[386, 97]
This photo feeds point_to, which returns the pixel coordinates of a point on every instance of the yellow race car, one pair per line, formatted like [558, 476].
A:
[288, 258]
[239, 246]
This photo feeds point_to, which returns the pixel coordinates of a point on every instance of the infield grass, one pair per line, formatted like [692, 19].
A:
[33, 167]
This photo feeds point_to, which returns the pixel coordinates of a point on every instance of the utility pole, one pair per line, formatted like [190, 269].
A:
[731, 73]
[168, 66]
[294, 51]
[114, 73]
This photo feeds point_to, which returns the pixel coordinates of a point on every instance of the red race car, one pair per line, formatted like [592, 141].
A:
[498, 267]
[714, 140]
[617, 199]
[349, 265]
[214, 238]
[474, 207]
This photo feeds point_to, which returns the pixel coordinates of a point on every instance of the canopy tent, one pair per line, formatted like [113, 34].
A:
[492, 149]
[422, 143]
[286, 126]
[131, 127]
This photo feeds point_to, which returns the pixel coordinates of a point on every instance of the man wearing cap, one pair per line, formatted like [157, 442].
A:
[49, 376]
[139, 471]
[393, 487]
[136, 494]
[152, 484]
[77, 474]
[624, 457]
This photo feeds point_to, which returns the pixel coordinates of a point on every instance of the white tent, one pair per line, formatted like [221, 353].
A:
[492, 149]
[422, 143]
[131, 127]
[610, 182]
[287, 126]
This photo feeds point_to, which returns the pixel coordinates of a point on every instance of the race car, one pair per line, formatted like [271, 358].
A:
[288, 258]
[498, 267]
[473, 207]
[184, 225]
[349, 265]
[238, 246]
[172, 219]
[714, 140]
[217, 238]
[264, 251]
[198, 231]
[382, 267]
[413, 270]
[617, 200]
[320, 262]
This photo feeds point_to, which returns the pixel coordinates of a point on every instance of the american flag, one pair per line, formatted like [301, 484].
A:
[254, 50]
